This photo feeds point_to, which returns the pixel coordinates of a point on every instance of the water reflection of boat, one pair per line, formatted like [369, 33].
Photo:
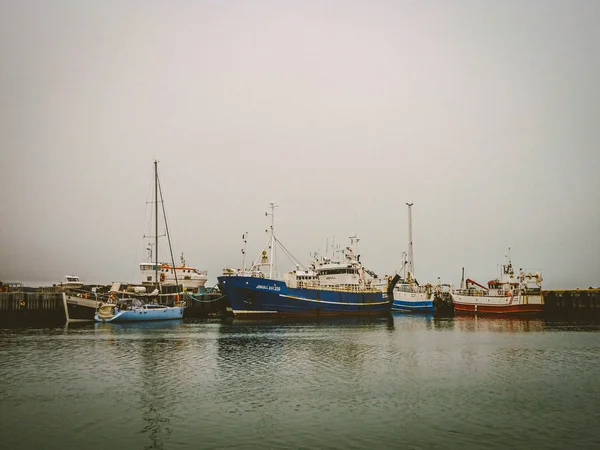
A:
[509, 324]
[350, 320]
[142, 325]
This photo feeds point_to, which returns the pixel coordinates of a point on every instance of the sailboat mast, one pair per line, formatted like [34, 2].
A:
[410, 264]
[156, 222]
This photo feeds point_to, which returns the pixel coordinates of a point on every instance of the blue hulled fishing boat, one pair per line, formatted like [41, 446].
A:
[329, 286]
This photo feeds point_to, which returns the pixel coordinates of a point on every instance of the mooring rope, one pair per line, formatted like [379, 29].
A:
[203, 301]
[208, 291]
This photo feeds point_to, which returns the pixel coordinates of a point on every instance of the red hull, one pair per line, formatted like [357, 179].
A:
[492, 309]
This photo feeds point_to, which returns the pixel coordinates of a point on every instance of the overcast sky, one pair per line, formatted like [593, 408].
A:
[485, 114]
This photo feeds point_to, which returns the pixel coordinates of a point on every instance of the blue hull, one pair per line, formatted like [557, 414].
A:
[142, 315]
[415, 307]
[254, 297]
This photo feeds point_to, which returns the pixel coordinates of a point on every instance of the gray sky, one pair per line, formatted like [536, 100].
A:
[485, 114]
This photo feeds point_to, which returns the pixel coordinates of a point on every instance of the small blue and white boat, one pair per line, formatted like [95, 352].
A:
[409, 296]
[137, 312]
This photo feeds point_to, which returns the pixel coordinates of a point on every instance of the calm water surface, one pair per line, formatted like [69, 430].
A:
[398, 382]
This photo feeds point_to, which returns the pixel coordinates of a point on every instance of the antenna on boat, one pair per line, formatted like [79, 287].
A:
[410, 261]
[272, 241]
[354, 244]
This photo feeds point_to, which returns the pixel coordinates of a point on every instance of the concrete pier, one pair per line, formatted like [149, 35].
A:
[572, 303]
[22, 306]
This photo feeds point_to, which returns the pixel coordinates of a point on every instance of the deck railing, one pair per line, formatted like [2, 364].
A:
[339, 288]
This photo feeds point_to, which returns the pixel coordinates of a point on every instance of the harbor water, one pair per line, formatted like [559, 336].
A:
[413, 382]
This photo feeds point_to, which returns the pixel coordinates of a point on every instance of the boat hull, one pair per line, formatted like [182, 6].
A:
[497, 305]
[144, 315]
[412, 302]
[261, 297]
[79, 309]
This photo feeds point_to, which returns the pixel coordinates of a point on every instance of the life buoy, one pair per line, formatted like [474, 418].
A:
[162, 277]
[510, 294]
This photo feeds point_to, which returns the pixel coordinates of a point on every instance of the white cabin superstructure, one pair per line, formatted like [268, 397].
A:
[71, 282]
[188, 277]
[329, 273]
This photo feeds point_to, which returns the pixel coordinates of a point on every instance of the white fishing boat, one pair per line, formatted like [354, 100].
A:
[71, 282]
[187, 276]
[135, 304]
[504, 295]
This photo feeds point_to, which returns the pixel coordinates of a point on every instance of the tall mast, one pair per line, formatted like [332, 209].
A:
[404, 261]
[245, 239]
[272, 240]
[410, 263]
[156, 222]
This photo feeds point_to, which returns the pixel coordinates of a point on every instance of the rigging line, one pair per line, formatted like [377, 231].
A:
[289, 254]
[203, 300]
[140, 252]
[167, 231]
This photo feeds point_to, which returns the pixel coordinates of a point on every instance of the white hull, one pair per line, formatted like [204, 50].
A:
[498, 304]
[71, 286]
